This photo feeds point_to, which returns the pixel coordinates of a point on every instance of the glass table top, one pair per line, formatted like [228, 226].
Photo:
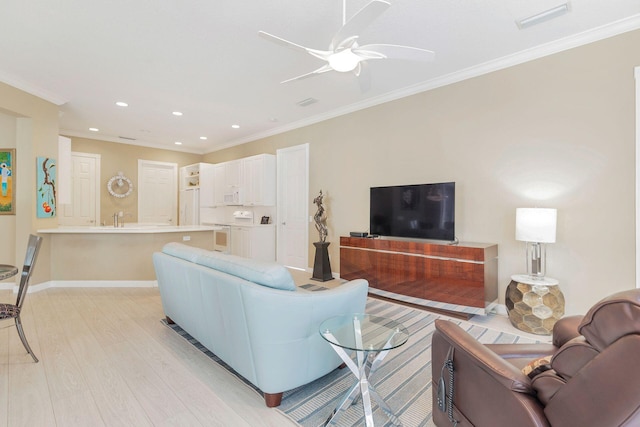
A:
[7, 271]
[364, 332]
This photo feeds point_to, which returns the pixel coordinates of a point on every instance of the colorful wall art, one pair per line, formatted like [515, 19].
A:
[46, 185]
[7, 173]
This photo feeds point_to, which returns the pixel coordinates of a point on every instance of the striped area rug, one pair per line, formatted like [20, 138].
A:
[403, 379]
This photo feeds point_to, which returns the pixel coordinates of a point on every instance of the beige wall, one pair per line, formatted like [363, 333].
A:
[34, 133]
[116, 157]
[556, 132]
[8, 222]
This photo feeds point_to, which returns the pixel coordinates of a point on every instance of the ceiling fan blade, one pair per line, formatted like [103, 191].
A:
[320, 70]
[364, 77]
[392, 51]
[286, 43]
[360, 21]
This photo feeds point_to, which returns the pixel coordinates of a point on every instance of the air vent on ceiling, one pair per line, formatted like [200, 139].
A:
[307, 101]
[126, 137]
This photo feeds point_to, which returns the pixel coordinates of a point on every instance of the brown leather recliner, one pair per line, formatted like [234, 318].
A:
[593, 378]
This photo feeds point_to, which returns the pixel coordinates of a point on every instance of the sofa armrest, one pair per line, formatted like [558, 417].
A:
[488, 390]
[283, 327]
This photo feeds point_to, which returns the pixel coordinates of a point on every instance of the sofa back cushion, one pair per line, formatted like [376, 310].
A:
[262, 273]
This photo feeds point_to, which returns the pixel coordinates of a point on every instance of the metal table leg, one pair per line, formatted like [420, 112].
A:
[362, 372]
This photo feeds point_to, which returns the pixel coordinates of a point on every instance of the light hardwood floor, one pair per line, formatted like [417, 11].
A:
[107, 360]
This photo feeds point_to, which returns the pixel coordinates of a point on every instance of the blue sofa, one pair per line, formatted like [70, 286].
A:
[251, 315]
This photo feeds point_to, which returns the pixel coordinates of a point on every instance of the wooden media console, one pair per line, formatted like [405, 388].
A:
[460, 278]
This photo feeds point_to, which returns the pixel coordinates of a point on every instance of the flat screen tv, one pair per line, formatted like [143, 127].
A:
[425, 211]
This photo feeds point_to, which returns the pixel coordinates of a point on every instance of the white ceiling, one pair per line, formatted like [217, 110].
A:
[205, 59]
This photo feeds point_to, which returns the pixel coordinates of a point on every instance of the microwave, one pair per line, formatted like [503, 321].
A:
[232, 196]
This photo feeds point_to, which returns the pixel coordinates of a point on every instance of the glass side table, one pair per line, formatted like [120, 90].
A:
[7, 271]
[371, 338]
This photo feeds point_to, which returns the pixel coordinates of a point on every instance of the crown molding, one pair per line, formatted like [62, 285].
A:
[25, 86]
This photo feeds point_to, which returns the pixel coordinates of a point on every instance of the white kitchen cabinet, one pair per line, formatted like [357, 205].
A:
[259, 180]
[196, 191]
[255, 242]
[190, 177]
[197, 175]
[219, 184]
[233, 173]
[240, 241]
[206, 185]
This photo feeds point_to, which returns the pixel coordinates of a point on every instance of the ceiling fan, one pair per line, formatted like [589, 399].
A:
[344, 54]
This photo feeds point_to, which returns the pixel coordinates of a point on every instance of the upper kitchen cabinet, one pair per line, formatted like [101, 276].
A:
[259, 180]
[190, 177]
[233, 173]
[219, 184]
[199, 176]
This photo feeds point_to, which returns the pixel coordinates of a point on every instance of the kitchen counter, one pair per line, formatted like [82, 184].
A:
[108, 254]
[127, 229]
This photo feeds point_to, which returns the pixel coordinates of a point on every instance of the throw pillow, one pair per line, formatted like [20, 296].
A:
[537, 366]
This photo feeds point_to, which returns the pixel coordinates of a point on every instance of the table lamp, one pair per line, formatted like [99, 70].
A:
[536, 226]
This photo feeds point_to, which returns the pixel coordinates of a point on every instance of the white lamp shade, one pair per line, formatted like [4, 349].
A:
[536, 225]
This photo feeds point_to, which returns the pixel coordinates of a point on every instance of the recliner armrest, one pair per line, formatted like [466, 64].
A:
[566, 329]
[495, 366]
[488, 390]
[572, 357]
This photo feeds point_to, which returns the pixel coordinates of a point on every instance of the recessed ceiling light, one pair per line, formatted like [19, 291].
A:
[203, 138]
[273, 119]
[94, 129]
[177, 113]
[122, 104]
[235, 126]
[178, 143]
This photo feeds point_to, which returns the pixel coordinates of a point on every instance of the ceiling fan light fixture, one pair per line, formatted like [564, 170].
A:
[344, 61]
[543, 16]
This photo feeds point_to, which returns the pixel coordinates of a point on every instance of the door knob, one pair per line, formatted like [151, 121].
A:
[284, 223]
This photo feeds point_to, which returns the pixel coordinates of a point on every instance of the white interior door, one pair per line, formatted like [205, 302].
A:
[157, 192]
[293, 206]
[84, 208]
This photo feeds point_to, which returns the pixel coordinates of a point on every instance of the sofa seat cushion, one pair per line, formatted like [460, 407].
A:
[262, 273]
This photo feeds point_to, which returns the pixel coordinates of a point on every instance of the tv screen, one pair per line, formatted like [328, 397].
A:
[425, 211]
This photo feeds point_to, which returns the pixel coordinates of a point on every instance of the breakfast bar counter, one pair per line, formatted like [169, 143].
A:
[109, 254]
[126, 229]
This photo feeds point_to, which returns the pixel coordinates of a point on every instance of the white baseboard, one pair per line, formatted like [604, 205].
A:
[84, 284]
[501, 309]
